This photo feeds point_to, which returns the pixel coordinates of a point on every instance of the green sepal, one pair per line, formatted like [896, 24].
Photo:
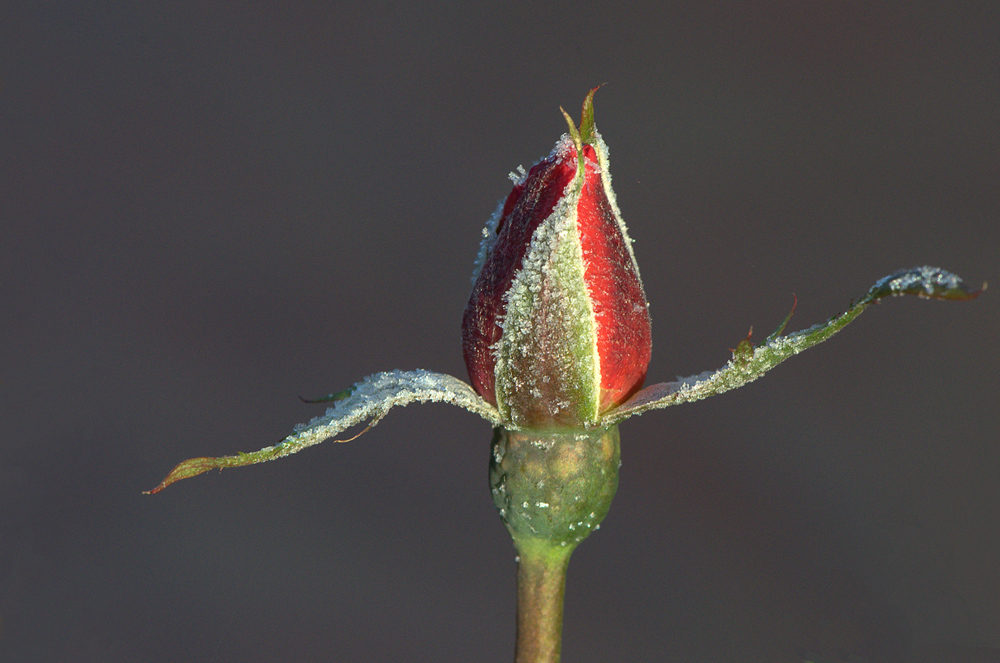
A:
[366, 402]
[588, 130]
[192, 467]
[745, 367]
[586, 134]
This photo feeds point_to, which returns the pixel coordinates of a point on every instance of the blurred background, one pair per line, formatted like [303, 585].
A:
[209, 210]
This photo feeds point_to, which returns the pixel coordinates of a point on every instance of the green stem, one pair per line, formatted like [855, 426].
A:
[552, 488]
[541, 588]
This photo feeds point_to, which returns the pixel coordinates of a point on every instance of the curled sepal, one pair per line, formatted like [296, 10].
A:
[367, 401]
[747, 366]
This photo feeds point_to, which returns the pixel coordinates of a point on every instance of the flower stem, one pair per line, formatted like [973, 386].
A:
[541, 587]
[552, 489]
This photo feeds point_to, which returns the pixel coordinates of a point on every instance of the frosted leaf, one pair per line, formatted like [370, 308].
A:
[368, 400]
[747, 366]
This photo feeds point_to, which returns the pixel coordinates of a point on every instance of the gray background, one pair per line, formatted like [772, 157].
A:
[209, 211]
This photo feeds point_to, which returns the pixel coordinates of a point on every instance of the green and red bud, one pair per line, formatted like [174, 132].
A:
[557, 329]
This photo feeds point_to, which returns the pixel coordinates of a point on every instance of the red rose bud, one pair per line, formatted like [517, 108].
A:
[557, 329]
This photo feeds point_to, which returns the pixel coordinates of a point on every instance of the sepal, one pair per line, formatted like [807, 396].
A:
[368, 400]
[750, 363]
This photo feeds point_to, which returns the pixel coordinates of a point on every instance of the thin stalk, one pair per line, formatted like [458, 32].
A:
[541, 588]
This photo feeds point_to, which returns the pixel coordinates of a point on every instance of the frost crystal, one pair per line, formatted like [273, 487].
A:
[519, 176]
[920, 281]
[371, 398]
[486, 245]
[603, 155]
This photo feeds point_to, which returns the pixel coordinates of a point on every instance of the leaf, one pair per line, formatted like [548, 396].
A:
[924, 282]
[368, 400]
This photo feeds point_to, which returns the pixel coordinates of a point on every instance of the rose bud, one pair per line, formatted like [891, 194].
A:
[557, 329]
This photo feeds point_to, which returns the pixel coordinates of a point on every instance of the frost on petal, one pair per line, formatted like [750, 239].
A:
[367, 401]
[505, 241]
[924, 282]
[489, 239]
[624, 335]
[546, 356]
